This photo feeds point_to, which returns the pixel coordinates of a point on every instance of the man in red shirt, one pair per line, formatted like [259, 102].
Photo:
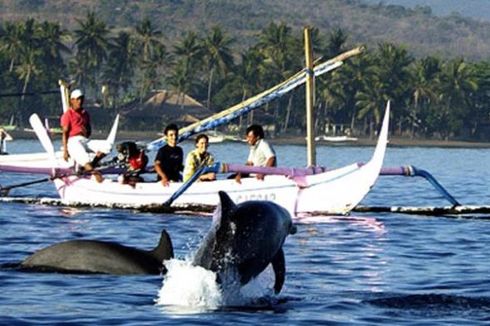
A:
[76, 130]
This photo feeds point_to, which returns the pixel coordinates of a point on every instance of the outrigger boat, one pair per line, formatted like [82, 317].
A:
[297, 190]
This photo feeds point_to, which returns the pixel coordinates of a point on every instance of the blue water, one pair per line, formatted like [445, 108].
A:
[367, 268]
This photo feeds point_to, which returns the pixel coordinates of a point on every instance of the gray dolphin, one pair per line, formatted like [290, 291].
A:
[246, 238]
[92, 256]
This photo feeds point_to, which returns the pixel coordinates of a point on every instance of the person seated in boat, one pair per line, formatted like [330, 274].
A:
[199, 157]
[134, 159]
[169, 158]
[75, 123]
[261, 152]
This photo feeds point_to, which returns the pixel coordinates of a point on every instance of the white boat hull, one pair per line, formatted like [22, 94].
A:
[323, 192]
[40, 163]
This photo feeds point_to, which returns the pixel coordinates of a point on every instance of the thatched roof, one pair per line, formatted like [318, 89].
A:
[161, 107]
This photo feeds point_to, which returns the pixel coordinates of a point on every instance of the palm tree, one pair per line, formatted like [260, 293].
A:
[153, 69]
[188, 58]
[28, 67]
[317, 41]
[179, 80]
[281, 58]
[458, 83]
[280, 50]
[92, 44]
[120, 65]
[371, 102]
[336, 42]
[338, 90]
[25, 62]
[248, 76]
[52, 39]
[189, 51]
[217, 53]
[11, 42]
[148, 38]
[425, 81]
[53, 50]
[480, 115]
[391, 82]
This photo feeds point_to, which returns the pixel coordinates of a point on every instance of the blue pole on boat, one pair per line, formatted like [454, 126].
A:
[202, 170]
[412, 171]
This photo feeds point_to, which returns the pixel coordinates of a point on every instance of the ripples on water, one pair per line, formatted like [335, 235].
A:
[361, 269]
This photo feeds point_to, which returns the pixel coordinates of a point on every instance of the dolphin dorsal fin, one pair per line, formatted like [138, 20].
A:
[165, 249]
[227, 205]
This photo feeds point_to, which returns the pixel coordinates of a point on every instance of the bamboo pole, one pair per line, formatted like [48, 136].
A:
[310, 100]
[65, 94]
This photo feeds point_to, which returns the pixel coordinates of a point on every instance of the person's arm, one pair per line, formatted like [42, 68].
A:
[163, 176]
[190, 167]
[271, 157]
[65, 127]
[158, 167]
[64, 137]
[210, 176]
[271, 162]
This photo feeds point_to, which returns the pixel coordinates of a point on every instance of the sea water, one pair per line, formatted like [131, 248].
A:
[362, 269]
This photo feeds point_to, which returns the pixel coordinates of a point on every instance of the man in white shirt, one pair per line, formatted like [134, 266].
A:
[261, 152]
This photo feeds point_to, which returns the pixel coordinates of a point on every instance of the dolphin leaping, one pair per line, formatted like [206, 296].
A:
[92, 256]
[246, 238]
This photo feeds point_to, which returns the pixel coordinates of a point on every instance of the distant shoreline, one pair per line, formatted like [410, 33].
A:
[291, 140]
[393, 141]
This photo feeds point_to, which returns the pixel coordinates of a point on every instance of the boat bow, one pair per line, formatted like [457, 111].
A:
[347, 186]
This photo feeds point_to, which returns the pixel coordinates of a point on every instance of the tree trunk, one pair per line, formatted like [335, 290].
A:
[288, 114]
[210, 85]
[22, 98]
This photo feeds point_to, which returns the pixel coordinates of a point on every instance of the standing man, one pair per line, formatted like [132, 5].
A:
[169, 159]
[261, 152]
[75, 123]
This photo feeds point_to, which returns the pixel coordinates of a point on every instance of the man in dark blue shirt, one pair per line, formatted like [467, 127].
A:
[169, 159]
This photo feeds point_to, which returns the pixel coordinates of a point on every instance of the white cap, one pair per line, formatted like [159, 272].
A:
[76, 94]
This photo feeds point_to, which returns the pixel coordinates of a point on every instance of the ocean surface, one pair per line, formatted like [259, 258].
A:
[362, 269]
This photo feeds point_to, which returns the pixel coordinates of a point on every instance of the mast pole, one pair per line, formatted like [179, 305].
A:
[310, 100]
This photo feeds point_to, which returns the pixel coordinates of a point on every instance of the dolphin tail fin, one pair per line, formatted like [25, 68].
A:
[165, 249]
[279, 267]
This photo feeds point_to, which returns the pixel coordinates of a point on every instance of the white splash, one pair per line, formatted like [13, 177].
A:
[193, 289]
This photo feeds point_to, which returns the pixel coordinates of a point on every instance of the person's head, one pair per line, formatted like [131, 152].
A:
[76, 99]
[254, 133]
[172, 134]
[202, 143]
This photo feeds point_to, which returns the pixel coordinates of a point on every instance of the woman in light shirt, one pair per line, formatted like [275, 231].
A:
[199, 157]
